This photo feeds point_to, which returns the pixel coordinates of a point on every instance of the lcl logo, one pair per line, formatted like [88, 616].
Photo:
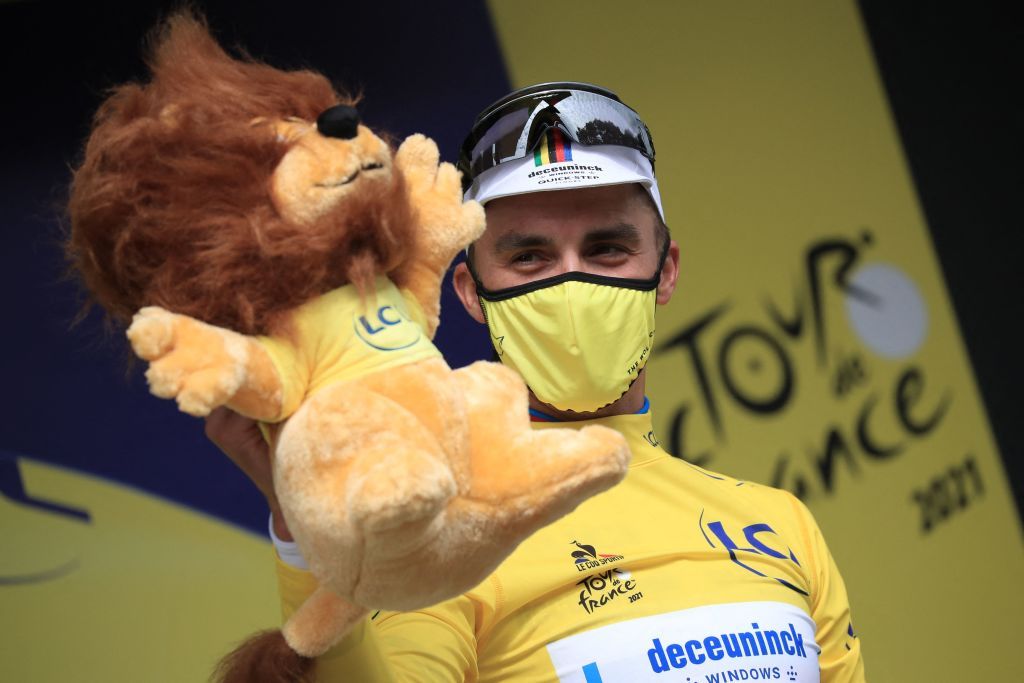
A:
[385, 318]
[387, 330]
[753, 534]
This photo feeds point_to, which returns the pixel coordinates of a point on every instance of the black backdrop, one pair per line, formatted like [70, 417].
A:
[951, 73]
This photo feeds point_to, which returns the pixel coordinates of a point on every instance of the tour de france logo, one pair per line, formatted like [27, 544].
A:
[386, 329]
[847, 344]
[605, 585]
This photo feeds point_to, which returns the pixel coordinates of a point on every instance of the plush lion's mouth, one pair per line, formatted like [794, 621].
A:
[345, 181]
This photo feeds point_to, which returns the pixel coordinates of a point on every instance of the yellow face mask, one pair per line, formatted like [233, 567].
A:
[578, 340]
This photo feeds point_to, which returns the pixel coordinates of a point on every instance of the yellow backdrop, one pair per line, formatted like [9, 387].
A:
[811, 344]
[144, 590]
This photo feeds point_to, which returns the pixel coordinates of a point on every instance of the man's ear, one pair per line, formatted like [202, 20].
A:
[669, 274]
[465, 289]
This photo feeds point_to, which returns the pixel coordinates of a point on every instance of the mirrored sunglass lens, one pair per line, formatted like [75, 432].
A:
[588, 119]
[508, 126]
[593, 120]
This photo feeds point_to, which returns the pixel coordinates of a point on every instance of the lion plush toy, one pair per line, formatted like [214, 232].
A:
[281, 260]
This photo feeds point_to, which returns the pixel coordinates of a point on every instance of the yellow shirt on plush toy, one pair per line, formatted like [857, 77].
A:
[341, 335]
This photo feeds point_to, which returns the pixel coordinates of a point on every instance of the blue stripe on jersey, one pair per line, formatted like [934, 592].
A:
[592, 674]
[537, 416]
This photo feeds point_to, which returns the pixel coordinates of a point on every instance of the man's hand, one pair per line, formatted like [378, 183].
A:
[241, 440]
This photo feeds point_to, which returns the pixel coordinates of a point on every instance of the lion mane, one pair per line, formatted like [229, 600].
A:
[171, 204]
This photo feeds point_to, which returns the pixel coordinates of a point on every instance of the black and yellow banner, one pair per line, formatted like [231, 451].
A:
[811, 344]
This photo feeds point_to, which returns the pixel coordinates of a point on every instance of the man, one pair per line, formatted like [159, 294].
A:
[674, 570]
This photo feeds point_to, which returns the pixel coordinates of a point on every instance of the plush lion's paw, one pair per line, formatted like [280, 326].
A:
[611, 450]
[197, 393]
[417, 156]
[473, 221]
[448, 182]
[428, 178]
[152, 332]
[198, 365]
[435, 189]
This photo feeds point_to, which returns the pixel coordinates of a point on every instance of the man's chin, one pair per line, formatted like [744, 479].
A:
[630, 402]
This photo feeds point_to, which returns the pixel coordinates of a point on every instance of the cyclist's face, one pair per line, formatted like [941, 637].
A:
[611, 230]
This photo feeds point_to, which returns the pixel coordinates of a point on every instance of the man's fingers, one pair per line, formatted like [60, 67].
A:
[239, 438]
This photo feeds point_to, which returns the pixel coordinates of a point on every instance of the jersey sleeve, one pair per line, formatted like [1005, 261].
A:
[435, 644]
[293, 365]
[840, 659]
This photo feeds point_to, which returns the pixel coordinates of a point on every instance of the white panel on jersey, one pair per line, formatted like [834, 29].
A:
[745, 641]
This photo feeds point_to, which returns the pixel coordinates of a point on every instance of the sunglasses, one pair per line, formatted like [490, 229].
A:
[586, 114]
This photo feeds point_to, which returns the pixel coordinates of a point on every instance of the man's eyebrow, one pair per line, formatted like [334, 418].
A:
[620, 231]
[511, 241]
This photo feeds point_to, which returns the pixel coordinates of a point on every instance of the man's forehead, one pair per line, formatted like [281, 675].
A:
[557, 211]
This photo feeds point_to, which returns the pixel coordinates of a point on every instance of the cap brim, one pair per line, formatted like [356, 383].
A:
[591, 166]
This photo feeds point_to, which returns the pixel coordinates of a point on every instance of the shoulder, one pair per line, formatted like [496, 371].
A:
[744, 493]
[752, 517]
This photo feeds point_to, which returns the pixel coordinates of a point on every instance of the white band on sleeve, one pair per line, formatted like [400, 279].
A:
[288, 551]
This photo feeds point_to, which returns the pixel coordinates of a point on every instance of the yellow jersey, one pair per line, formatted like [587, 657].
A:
[676, 574]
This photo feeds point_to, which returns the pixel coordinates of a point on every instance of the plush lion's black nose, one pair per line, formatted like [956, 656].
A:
[340, 121]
